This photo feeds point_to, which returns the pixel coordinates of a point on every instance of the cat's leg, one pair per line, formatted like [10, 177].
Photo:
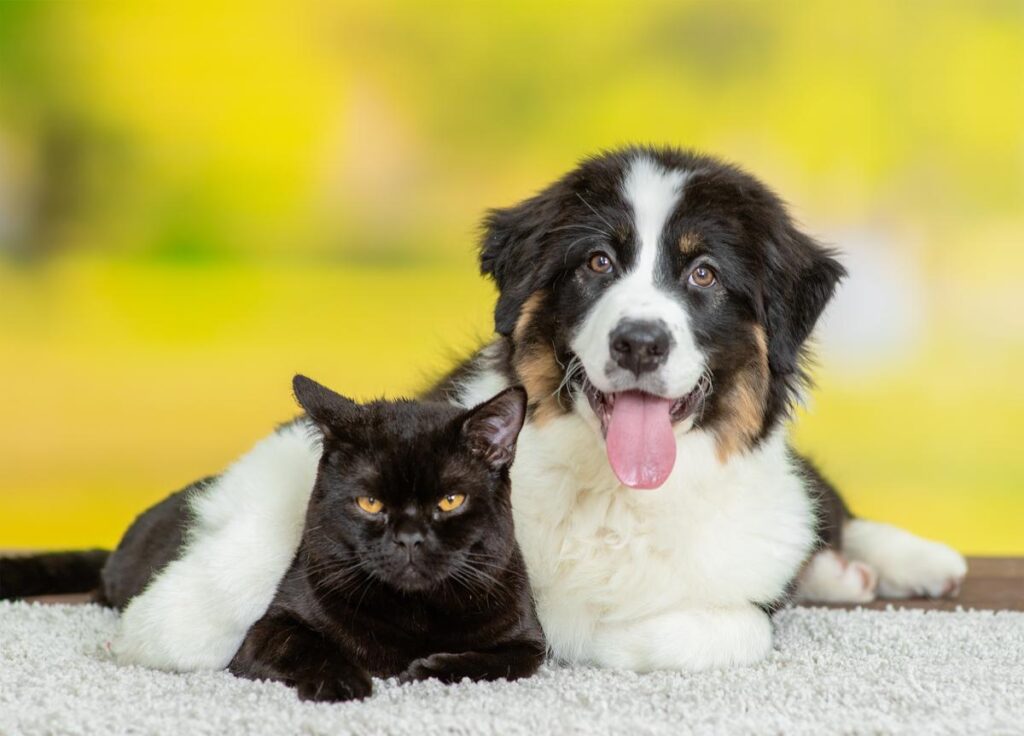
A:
[687, 640]
[907, 565]
[509, 661]
[281, 648]
[246, 527]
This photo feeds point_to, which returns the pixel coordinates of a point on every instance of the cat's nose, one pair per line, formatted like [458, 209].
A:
[409, 539]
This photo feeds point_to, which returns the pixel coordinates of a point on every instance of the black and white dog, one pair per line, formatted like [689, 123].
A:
[656, 304]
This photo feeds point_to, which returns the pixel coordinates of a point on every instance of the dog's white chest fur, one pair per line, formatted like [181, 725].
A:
[715, 535]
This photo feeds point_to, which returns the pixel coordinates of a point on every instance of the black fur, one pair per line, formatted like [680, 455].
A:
[450, 601]
[153, 540]
[51, 573]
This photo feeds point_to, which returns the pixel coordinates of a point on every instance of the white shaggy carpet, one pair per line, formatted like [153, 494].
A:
[832, 672]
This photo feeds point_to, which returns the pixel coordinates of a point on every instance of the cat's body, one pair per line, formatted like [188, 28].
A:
[326, 642]
[408, 564]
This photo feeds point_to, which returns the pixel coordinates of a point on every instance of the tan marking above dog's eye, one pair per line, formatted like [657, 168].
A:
[601, 263]
[369, 504]
[702, 276]
[688, 243]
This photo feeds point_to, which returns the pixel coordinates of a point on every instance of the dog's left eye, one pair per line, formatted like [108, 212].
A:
[601, 263]
[703, 277]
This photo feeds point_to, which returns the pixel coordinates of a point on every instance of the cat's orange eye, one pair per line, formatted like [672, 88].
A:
[369, 504]
[451, 502]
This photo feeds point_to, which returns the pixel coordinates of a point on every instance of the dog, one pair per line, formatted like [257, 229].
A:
[657, 305]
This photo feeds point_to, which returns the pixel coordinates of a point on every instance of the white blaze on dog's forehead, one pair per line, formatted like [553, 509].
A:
[653, 192]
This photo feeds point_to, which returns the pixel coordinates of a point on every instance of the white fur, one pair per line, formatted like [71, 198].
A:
[661, 579]
[653, 193]
[247, 526]
[907, 565]
[880, 560]
[831, 578]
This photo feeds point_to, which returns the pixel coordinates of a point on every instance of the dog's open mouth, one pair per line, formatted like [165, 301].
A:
[637, 428]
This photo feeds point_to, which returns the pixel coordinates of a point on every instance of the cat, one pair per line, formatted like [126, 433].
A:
[408, 564]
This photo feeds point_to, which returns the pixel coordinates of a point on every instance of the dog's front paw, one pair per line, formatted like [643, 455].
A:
[443, 667]
[353, 686]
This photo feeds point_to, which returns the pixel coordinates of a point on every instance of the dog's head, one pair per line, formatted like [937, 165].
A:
[670, 289]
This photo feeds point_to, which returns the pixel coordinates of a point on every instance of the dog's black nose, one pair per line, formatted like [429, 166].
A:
[640, 346]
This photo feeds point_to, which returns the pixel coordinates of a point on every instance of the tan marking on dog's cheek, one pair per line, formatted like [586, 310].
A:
[535, 364]
[540, 375]
[526, 315]
[744, 406]
[688, 243]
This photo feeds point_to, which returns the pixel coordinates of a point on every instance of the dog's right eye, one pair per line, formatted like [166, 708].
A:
[601, 263]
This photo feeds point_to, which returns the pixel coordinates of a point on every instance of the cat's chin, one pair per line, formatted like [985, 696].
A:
[412, 580]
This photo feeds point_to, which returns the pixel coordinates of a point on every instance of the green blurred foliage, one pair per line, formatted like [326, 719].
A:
[199, 198]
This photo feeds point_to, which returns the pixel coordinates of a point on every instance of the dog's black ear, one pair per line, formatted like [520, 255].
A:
[801, 278]
[512, 253]
[491, 429]
[325, 407]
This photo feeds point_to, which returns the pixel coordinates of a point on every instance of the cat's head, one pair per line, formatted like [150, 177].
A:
[413, 494]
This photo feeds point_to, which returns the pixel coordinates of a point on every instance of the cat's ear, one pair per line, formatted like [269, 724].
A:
[325, 407]
[491, 429]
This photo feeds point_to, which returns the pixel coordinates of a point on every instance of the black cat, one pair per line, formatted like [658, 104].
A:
[408, 564]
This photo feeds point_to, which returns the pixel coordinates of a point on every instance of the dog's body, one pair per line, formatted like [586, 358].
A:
[656, 305]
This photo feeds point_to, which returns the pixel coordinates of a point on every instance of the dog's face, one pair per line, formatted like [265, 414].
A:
[670, 289]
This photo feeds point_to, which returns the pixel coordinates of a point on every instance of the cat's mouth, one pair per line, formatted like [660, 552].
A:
[638, 430]
[409, 576]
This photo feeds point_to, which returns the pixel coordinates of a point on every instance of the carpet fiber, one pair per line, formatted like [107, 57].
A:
[833, 671]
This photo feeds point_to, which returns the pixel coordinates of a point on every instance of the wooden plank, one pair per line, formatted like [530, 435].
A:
[993, 583]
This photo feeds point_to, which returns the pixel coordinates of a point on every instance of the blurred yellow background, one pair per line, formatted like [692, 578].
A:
[197, 201]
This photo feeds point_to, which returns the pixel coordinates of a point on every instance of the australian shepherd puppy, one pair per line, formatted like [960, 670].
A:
[656, 305]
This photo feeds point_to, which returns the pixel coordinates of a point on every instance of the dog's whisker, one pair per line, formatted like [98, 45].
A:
[596, 213]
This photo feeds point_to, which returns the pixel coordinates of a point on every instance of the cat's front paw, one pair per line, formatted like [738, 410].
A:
[447, 668]
[354, 686]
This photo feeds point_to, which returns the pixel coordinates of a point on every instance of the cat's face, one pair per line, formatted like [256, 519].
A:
[414, 495]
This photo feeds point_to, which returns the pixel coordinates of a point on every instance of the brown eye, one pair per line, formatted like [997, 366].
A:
[601, 263]
[369, 504]
[451, 502]
[703, 277]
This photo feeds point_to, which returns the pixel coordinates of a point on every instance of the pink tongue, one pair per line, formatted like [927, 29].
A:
[641, 446]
